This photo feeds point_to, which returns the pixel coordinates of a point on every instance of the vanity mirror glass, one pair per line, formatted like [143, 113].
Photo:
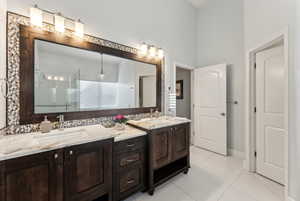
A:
[68, 79]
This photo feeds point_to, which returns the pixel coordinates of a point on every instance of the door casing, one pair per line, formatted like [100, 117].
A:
[250, 125]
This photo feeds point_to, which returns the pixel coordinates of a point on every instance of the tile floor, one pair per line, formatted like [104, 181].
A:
[215, 178]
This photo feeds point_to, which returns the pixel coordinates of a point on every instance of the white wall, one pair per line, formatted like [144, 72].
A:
[170, 24]
[183, 106]
[221, 40]
[2, 59]
[263, 18]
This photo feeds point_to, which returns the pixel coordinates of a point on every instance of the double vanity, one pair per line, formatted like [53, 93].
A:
[82, 82]
[93, 162]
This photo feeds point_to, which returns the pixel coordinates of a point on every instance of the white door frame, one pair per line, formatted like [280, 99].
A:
[191, 69]
[250, 161]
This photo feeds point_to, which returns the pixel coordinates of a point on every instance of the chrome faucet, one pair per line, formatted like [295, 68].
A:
[61, 120]
[151, 113]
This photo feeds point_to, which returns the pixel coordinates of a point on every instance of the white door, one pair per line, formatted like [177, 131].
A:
[270, 131]
[210, 122]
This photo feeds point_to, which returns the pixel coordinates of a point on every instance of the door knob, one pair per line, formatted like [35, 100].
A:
[223, 114]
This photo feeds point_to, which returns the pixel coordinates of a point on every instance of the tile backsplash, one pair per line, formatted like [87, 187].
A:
[13, 67]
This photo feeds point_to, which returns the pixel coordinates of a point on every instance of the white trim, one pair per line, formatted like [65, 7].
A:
[249, 102]
[191, 69]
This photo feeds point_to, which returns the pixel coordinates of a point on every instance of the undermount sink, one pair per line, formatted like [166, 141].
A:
[17, 143]
[49, 140]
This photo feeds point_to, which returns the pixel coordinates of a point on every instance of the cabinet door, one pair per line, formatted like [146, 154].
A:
[88, 171]
[181, 141]
[161, 147]
[32, 178]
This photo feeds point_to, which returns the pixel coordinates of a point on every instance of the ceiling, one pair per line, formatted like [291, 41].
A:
[197, 3]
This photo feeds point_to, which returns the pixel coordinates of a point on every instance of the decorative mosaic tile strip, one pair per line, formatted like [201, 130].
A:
[13, 67]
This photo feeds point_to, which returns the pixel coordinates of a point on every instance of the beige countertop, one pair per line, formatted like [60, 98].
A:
[27, 144]
[160, 122]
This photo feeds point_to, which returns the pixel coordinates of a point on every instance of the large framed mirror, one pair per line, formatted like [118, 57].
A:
[81, 80]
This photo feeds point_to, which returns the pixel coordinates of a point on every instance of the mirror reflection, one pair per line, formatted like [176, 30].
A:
[69, 79]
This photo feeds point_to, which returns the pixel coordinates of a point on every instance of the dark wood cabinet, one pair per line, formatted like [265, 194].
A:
[37, 177]
[162, 147]
[88, 171]
[180, 141]
[129, 167]
[169, 153]
[78, 173]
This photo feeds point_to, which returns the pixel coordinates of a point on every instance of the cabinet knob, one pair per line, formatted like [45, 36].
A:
[71, 152]
[130, 181]
[55, 156]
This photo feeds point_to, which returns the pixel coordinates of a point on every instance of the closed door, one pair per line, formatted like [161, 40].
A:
[162, 147]
[181, 144]
[210, 123]
[88, 170]
[270, 130]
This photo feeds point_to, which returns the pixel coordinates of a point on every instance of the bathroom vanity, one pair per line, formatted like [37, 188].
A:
[168, 143]
[84, 82]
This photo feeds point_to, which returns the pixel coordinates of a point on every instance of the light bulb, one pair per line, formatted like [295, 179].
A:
[59, 23]
[143, 49]
[49, 77]
[36, 16]
[55, 78]
[79, 29]
[152, 51]
[160, 53]
[61, 78]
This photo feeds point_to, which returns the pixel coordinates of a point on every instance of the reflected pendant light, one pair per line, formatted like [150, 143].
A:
[102, 70]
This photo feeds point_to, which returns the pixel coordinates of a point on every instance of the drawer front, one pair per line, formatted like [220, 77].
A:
[130, 145]
[130, 179]
[131, 158]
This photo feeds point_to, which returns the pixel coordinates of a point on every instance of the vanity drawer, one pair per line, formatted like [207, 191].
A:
[130, 158]
[131, 179]
[130, 145]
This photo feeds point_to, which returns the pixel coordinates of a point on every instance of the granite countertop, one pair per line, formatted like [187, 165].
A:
[160, 122]
[27, 144]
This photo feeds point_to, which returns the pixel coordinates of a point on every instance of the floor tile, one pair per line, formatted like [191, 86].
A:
[251, 184]
[215, 178]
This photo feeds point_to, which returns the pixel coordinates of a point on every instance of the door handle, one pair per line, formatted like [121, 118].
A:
[223, 114]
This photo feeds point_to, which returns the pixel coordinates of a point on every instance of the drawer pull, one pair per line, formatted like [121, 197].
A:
[130, 181]
[131, 145]
[130, 160]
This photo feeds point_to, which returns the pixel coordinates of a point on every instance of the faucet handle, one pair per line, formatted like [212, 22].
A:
[60, 117]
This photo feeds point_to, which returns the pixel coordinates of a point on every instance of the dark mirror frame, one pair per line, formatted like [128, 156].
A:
[28, 35]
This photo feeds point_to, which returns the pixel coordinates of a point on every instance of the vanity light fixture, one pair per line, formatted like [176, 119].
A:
[143, 49]
[152, 51]
[102, 70]
[59, 21]
[36, 16]
[79, 29]
[160, 53]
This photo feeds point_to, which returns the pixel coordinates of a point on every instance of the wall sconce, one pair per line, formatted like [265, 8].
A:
[160, 53]
[152, 51]
[144, 49]
[36, 16]
[59, 21]
[79, 29]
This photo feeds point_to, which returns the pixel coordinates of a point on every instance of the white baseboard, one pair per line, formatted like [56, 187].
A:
[290, 199]
[237, 154]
